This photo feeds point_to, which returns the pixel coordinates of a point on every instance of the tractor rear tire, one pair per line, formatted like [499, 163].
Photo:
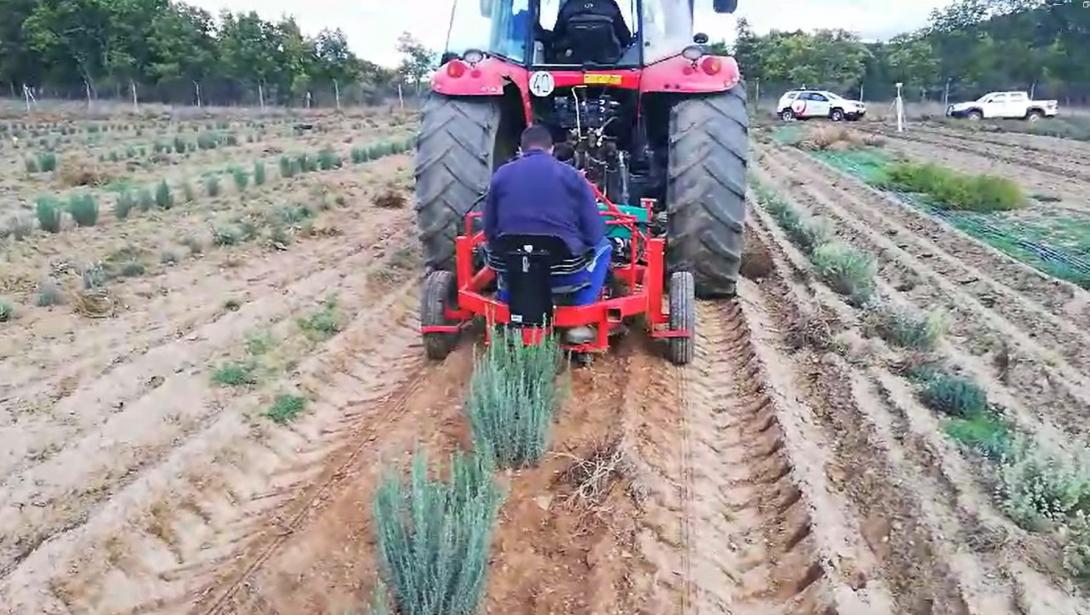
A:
[706, 190]
[440, 292]
[682, 318]
[454, 160]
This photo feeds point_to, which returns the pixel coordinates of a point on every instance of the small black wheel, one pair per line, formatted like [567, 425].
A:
[1034, 116]
[975, 115]
[682, 317]
[837, 115]
[440, 291]
[787, 115]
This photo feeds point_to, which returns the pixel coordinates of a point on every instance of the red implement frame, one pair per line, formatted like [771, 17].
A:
[644, 283]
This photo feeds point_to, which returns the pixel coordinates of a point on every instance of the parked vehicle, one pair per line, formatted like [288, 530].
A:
[1004, 105]
[806, 104]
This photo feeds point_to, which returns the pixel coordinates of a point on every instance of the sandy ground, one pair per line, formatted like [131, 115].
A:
[789, 469]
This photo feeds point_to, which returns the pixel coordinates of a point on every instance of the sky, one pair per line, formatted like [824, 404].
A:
[372, 26]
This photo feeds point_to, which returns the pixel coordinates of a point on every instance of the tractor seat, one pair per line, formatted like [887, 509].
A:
[528, 265]
[589, 38]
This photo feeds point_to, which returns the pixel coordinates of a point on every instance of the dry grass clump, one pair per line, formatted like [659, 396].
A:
[391, 198]
[82, 173]
[832, 138]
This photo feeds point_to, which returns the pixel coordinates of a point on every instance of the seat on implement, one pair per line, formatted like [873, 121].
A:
[589, 38]
[528, 266]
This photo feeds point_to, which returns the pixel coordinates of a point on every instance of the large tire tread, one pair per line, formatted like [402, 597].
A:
[454, 163]
[706, 190]
[440, 291]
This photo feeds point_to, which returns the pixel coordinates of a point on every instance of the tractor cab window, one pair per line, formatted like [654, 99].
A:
[500, 27]
[667, 28]
[598, 31]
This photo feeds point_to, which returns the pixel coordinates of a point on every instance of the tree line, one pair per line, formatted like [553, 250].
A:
[972, 46]
[178, 53]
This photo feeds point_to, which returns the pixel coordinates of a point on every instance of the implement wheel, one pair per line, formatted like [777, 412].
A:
[706, 189]
[682, 318]
[440, 292]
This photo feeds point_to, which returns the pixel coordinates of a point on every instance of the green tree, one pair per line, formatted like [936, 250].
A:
[417, 62]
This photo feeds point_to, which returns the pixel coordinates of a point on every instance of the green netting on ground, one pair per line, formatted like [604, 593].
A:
[788, 135]
[1053, 240]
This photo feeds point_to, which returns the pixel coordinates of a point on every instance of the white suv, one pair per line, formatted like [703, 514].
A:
[805, 104]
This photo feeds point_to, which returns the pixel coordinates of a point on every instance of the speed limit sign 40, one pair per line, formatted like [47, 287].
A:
[542, 84]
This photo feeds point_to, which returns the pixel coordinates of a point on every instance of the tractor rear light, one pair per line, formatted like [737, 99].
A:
[711, 65]
[456, 69]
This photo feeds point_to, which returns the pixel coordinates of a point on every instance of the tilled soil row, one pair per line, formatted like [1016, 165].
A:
[1009, 339]
[230, 487]
[1052, 148]
[939, 542]
[1046, 161]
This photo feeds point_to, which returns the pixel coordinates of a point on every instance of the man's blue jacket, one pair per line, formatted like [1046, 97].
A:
[537, 194]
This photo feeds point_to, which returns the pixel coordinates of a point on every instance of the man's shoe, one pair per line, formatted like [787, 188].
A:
[581, 335]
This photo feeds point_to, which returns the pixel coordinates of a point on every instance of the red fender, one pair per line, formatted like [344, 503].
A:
[486, 78]
[676, 74]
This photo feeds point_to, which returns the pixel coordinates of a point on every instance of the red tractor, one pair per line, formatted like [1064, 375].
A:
[634, 100]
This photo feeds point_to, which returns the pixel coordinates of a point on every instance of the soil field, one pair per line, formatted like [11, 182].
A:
[209, 438]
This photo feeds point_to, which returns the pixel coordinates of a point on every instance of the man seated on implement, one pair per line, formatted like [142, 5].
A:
[536, 194]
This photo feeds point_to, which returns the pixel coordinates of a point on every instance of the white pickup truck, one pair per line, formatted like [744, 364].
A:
[1004, 106]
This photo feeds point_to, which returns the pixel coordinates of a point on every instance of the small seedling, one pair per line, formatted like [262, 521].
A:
[169, 257]
[910, 329]
[287, 168]
[286, 408]
[328, 159]
[232, 305]
[132, 269]
[31, 165]
[49, 293]
[324, 323]
[847, 270]
[242, 179]
[187, 192]
[7, 311]
[49, 214]
[124, 204]
[212, 185]
[984, 433]
[163, 197]
[259, 173]
[193, 244]
[235, 374]
[258, 344]
[180, 145]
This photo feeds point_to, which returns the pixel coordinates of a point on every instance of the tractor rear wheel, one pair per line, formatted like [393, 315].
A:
[682, 318]
[706, 189]
[440, 292]
[454, 160]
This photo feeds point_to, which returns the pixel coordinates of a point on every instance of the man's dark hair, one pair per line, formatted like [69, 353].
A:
[536, 137]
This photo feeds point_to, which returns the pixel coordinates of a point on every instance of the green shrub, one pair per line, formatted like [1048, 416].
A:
[323, 323]
[114, 157]
[163, 197]
[1076, 551]
[846, 270]
[259, 173]
[207, 140]
[512, 398]
[259, 343]
[212, 185]
[359, 155]
[130, 151]
[378, 150]
[226, 235]
[1036, 487]
[910, 329]
[287, 169]
[32, 165]
[187, 192]
[124, 204]
[231, 139]
[286, 408]
[982, 432]
[247, 230]
[235, 374]
[434, 536]
[169, 257]
[294, 215]
[180, 145]
[242, 179]
[93, 276]
[83, 209]
[328, 159]
[954, 396]
[49, 214]
[7, 311]
[955, 190]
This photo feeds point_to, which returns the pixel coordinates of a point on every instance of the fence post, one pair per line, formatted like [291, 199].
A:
[337, 94]
[135, 103]
[400, 97]
[757, 100]
[900, 109]
[946, 97]
[308, 99]
[261, 96]
[197, 87]
[87, 88]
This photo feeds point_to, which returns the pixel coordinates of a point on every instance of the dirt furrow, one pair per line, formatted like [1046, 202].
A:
[194, 516]
[59, 492]
[1044, 161]
[1001, 338]
[985, 553]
